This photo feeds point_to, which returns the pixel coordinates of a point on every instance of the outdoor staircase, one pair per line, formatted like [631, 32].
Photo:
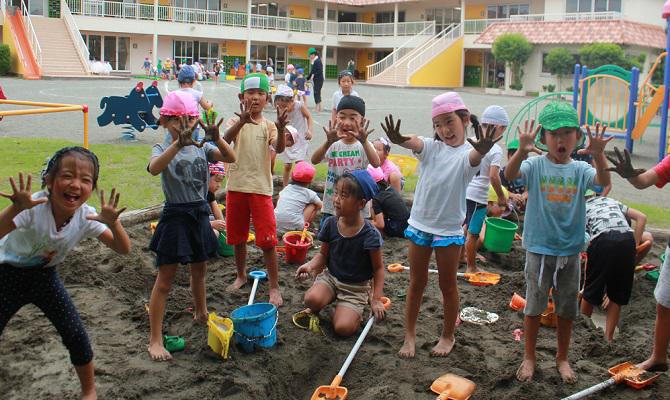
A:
[60, 57]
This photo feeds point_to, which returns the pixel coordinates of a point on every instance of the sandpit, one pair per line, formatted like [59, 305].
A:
[110, 292]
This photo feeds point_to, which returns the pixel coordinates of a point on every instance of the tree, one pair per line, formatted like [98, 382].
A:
[599, 54]
[560, 63]
[513, 49]
[5, 61]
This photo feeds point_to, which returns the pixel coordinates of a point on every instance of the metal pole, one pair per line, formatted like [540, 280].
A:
[632, 99]
[584, 96]
[664, 108]
[575, 87]
[85, 110]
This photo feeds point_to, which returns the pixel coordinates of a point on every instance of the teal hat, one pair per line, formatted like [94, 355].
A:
[255, 81]
[311, 51]
[513, 144]
[558, 114]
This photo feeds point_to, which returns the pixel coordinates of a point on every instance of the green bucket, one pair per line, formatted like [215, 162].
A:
[499, 235]
[225, 249]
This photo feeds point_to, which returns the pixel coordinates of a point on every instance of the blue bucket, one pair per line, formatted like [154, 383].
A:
[255, 325]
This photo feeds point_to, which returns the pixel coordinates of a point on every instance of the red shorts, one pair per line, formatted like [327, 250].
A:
[240, 207]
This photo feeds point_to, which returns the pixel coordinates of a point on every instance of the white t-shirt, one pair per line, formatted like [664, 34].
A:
[337, 96]
[342, 158]
[478, 190]
[36, 243]
[439, 200]
[290, 207]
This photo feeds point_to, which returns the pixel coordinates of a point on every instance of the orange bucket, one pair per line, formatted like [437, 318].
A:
[296, 252]
[517, 303]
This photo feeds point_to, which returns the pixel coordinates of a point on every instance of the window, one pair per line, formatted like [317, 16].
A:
[332, 14]
[112, 49]
[506, 10]
[607, 5]
[443, 17]
[198, 4]
[388, 17]
[572, 6]
[265, 9]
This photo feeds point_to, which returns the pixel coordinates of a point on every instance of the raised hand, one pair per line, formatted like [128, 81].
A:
[185, 137]
[108, 214]
[21, 197]
[483, 143]
[331, 132]
[362, 132]
[527, 136]
[393, 131]
[211, 128]
[282, 120]
[245, 115]
[623, 165]
[595, 144]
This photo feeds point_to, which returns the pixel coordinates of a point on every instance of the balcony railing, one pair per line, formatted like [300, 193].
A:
[477, 26]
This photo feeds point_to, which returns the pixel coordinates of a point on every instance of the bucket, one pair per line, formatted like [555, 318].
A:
[218, 335]
[517, 303]
[499, 235]
[255, 325]
[296, 253]
[225, 249]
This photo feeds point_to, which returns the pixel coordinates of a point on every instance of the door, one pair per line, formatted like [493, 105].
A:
[36, 7]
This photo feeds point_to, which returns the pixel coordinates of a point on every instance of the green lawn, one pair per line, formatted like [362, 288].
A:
[658, 217]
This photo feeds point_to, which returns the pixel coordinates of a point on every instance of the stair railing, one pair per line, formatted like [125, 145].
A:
[77, 39]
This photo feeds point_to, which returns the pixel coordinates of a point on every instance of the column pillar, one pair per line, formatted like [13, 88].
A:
[248, 49]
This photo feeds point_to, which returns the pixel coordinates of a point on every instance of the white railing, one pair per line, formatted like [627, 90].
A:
[477, 26]
[34, 43]
[437, 45]
[286, 24]
[73, 30]
[115, 9]
[199, 16]
[414, 42]
[416, 27]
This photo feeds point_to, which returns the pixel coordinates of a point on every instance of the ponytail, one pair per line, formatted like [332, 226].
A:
[476, 126]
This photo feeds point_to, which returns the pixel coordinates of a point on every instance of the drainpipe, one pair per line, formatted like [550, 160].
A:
[155, 35]
[395, 26]
[463, 50]
[248, 51]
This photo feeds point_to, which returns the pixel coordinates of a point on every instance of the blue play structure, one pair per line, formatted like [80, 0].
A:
[135, 111]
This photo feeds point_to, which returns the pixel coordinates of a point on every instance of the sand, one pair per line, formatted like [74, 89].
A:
[110, 292]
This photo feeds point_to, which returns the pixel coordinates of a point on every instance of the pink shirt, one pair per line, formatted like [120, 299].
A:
[663, 172]
[389, 167]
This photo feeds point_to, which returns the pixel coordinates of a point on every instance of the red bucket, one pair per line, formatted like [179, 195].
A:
[296, 252]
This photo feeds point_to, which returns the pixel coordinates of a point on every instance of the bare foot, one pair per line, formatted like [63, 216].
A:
[443, 347]
[480, 258]
[525, 371]
[652, 365]
[408, 348]
[567, 374]
[201, 318]
[275, 297]
[473, 270]
[89, 396]
[239, 282]
[158, 353]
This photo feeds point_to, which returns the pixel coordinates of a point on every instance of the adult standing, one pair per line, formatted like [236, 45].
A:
[351, 66]
[316, 75]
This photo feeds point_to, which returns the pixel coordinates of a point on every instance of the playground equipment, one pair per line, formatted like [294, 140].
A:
[134, 109]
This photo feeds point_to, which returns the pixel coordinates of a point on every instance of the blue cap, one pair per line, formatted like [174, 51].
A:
[367, 184]
[186, 74]
[300, 70]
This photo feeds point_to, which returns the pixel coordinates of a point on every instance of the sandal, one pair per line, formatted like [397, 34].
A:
[174, 343]
[307, 320]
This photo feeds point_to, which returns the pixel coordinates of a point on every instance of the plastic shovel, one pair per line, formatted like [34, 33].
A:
[303, 236]
[334, 390]
[627, 372]
[257, 276]
[476, 279]
[450, 386]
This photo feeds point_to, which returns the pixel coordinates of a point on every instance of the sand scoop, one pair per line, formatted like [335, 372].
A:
[627, 372]
[453, 387]
[334, 391]
[475, 279]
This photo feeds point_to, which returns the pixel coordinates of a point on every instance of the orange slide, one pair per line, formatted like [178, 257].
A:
[22, 44]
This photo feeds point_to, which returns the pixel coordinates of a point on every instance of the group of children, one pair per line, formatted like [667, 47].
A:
[38, 230]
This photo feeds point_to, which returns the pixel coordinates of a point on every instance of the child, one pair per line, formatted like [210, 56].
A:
[147, 67]
[641, 179]
[37, 231]
[297, 204]
[389, 211]
[346, 148]
[183, 234]
[517, 191]
[271, 75]
[299, 85]
[217, 173]
[477, 193]
[611, 256]
[289, 77]
[351, 253]
[166, 69]
[436, 218]
[345, 81]
[302, 121]
[249, 188]
[554, 224]
[392, 174]
[186, 79]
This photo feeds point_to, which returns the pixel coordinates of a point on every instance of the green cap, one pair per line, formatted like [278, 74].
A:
[311, 51]
[589, 193]
[513, 144]
[255, 81]
[558, 114]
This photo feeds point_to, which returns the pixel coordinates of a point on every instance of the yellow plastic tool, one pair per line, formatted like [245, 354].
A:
[219, 334]
[153, 226]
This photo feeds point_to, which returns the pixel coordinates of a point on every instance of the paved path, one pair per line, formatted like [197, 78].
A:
[411, 105]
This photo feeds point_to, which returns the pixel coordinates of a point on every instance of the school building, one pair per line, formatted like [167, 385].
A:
[433, 43]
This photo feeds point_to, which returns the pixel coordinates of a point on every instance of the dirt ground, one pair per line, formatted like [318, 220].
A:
[110, 291]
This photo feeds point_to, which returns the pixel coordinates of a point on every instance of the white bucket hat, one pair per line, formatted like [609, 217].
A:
[495, 115]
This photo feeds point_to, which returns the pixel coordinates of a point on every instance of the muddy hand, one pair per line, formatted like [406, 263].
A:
[211, 128]
[303, 272]
[378, 310]
[595, 144]
[331, 132]
[527, 136]
[361, 134]
[282, 119]
[186, 134]
[393, 131]
[21, 197]
[623, 165]
[485, 141]
[245, 115]
[108, 210]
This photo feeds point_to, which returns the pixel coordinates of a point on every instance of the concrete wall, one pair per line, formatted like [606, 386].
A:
[645, 11]
[442, 71]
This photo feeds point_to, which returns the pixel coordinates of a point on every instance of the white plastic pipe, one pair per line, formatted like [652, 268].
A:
[253, 292]
[593, 389]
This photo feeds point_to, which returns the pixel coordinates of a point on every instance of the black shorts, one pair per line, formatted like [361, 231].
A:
[472, 206]
[610, 268]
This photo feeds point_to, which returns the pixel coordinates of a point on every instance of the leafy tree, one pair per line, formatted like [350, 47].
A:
[560, 63]
[5, 61]
[513, 49]
[598, 54]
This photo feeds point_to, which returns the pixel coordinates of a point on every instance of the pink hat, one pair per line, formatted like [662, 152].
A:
[217, 168]
[376, 173]
[293, 132]
[446, 103]
[179, 103]
[303, 172]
